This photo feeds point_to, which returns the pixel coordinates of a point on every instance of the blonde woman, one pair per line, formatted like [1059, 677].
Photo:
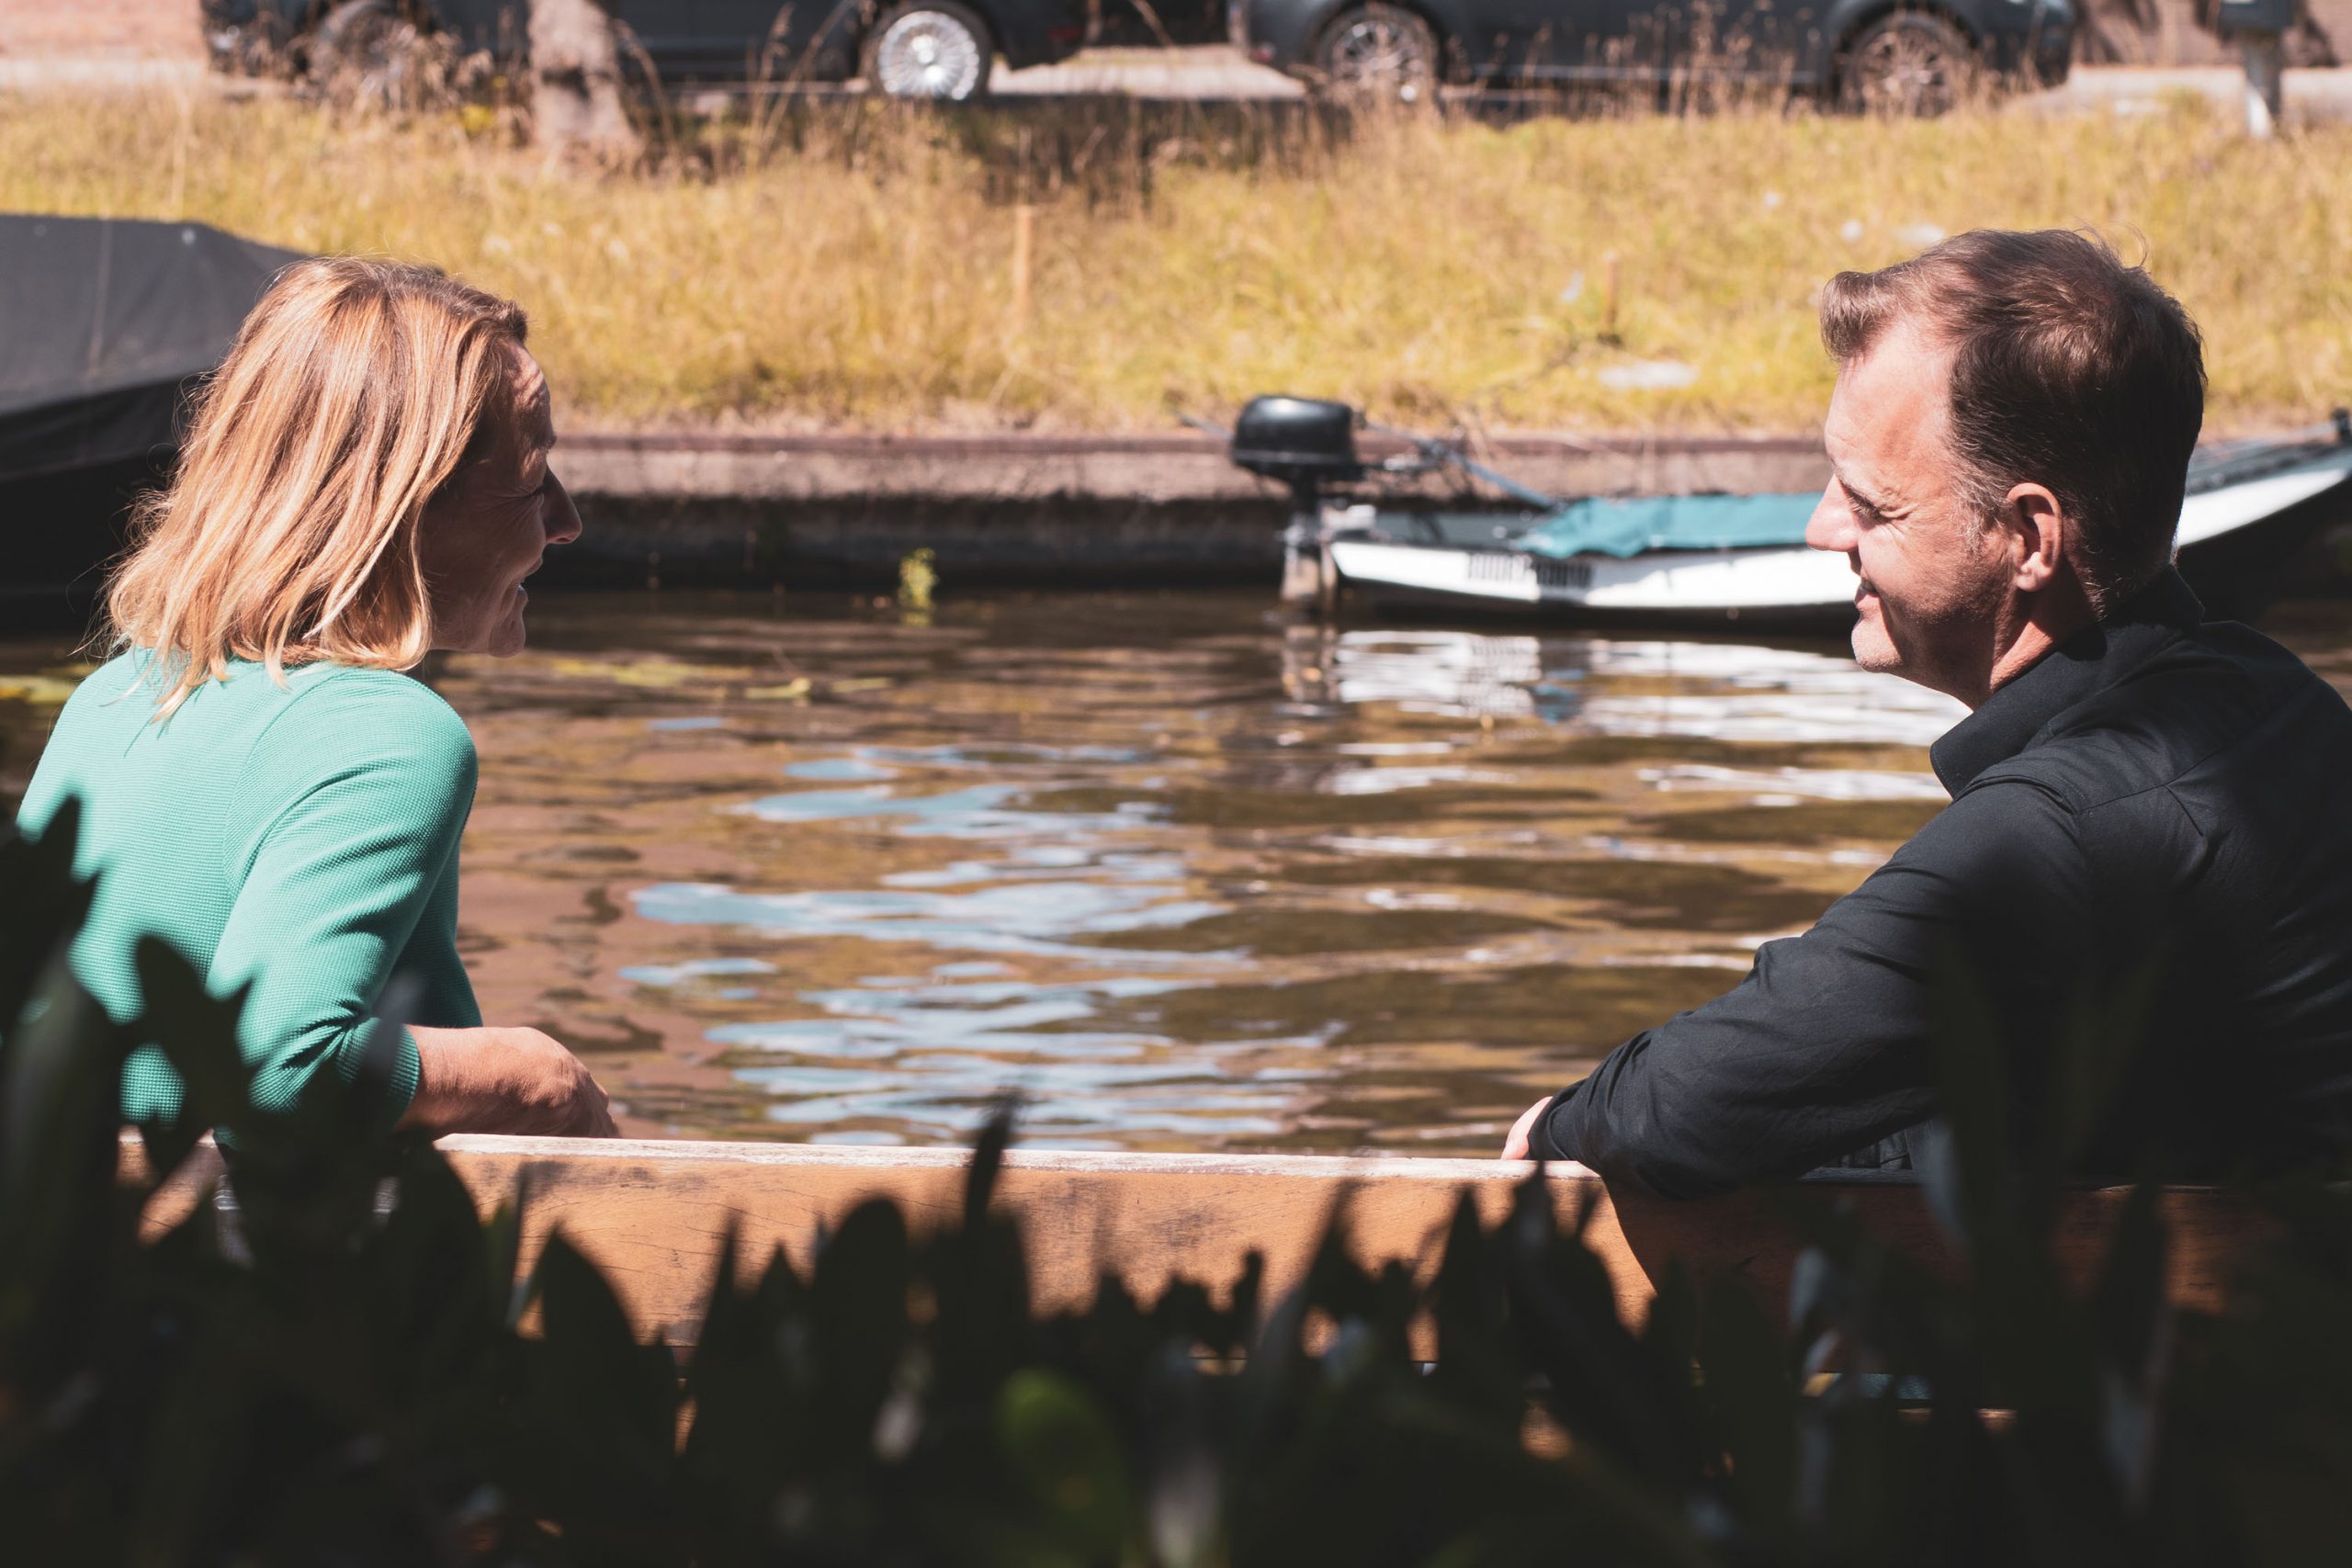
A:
[365, 480]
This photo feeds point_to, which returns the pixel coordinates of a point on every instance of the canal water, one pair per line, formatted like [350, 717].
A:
[1180, 874]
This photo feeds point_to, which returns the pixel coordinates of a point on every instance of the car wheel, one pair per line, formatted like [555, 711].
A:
[367, 54]
[1910, 63]
[256, 48]
[929, 49]
[1378, 53]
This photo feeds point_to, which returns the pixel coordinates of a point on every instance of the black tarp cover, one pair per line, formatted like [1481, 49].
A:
[102, 322]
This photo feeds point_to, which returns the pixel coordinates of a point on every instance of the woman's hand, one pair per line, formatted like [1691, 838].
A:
[1515, 1146]
[504, 1080]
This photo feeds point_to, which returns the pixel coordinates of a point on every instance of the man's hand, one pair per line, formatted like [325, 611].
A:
[1515, 1146]
[504, 1080]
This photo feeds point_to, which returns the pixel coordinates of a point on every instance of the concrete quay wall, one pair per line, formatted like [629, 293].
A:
[840, 511]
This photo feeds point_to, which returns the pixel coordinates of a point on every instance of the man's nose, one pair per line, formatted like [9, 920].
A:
[1831, 526]
[563, 518]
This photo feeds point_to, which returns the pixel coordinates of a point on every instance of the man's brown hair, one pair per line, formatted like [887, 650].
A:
[2072, 370]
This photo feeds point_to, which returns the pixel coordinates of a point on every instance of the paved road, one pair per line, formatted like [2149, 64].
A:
[1219, 72]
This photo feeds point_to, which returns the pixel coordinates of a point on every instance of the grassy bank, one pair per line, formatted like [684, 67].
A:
[853, 266]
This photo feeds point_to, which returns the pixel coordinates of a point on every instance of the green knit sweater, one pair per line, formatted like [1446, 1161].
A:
[299, 837]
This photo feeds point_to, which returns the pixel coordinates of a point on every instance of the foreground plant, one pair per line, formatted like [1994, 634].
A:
[334, 1369]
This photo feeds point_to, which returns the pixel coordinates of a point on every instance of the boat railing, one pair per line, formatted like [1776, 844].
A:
[2226, 462]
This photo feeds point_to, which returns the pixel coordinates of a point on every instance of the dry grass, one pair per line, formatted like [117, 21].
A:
[851, 267]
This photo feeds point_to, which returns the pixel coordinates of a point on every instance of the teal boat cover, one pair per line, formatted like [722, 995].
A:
[1629, 527]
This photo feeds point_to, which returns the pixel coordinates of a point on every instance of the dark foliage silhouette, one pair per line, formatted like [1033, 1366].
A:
[340, 1363]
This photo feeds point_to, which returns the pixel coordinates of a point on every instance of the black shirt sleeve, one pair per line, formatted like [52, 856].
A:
[1825, 1047]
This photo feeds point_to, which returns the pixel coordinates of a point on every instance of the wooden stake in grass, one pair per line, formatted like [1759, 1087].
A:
[182, 132]
[1608, 280]
[1024, 222]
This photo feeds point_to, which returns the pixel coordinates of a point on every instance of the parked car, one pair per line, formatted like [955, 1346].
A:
[1909, 58]
[908, 49]
[1158, 24]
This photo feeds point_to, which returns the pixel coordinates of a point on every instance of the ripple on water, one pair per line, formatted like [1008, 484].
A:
[1038, 919]
[1181, 876]
[1185, 876]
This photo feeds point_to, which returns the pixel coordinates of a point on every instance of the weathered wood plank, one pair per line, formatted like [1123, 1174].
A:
[653, 1213]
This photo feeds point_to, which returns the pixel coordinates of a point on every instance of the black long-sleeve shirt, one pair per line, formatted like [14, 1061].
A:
[2161, 800]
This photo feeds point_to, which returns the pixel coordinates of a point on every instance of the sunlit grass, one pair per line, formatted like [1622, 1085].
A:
[858, 273]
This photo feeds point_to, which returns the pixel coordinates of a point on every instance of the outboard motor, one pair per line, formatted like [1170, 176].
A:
[1306, 443]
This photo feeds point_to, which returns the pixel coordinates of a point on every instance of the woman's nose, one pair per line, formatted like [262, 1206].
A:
[562, 517]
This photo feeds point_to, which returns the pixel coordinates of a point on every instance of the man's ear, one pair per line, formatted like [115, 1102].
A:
[2040, 535]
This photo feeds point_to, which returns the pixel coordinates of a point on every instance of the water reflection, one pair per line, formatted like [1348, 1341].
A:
[1183, 874]
[1038, 919]
[1455, 673]
[1708, 690]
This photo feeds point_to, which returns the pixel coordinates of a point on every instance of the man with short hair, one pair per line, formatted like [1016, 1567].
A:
[2149, 811]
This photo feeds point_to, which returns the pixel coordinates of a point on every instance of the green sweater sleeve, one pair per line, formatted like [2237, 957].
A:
[356, 802]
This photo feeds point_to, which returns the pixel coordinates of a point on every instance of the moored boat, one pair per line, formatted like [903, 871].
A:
[109, 323]
[1703, 559]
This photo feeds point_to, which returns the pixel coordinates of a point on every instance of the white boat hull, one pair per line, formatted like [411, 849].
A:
[1778, 582]
[1676, 580]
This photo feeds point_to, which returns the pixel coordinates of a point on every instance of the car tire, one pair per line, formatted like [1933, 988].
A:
[1377, 53]
[368, 54]
[933, 49]
[256, 48]
[1912, 63]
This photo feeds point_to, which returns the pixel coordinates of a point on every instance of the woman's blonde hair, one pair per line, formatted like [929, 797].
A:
[355, 392]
